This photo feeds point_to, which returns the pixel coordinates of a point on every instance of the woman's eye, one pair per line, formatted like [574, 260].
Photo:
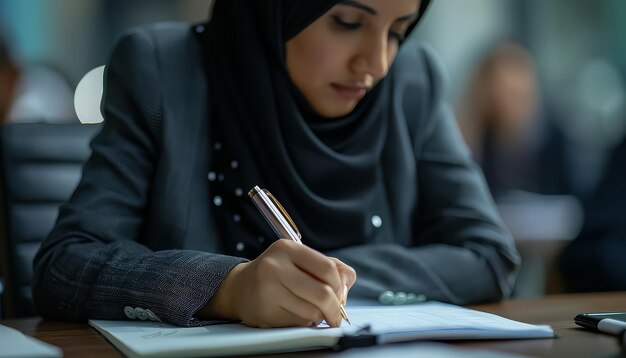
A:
[346, 25]
[397, 36]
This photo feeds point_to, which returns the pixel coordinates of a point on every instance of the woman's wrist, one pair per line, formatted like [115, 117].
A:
[223, 304]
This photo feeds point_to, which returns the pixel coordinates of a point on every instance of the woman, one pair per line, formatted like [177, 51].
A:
[301, 98]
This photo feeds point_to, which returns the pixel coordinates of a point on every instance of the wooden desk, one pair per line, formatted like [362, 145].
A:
[559, 312]
[80, 340]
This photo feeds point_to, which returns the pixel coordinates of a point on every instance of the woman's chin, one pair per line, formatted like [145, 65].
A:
[336, 110]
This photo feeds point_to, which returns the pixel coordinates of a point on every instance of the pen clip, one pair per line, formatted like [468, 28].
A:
[282, 211]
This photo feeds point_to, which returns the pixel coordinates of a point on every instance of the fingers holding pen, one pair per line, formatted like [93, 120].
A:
[292, 311]
[348, 277]
[304, 313]
[315, 292]
[323, 268]
[285, 310]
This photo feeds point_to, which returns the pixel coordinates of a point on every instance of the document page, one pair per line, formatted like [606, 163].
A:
[440, 321]
[153, 339]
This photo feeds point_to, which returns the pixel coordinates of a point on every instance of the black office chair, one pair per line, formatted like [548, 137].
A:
[41, 165]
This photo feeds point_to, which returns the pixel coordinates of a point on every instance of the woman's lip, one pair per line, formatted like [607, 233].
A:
[350, 92]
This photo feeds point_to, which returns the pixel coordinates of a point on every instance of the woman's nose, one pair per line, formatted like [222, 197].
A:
[373, 58]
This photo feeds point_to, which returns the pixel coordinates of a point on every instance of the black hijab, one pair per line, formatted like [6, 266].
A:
[330, 175]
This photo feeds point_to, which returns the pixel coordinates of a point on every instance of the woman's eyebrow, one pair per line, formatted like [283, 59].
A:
[371, 10]
[358, 5]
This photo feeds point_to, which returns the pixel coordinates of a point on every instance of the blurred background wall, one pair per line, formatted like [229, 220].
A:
[573, 71]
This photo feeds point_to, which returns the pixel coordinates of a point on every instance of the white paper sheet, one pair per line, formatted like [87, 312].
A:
[15, 344]
[434, 320]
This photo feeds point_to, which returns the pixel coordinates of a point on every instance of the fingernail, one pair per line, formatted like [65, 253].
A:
[345, 294]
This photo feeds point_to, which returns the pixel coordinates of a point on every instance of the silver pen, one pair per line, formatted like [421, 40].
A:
[280, 221]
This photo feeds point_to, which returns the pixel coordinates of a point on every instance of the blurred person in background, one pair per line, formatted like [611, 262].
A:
[596, 260]
[503, 122]
[9, 78]
[526, 160]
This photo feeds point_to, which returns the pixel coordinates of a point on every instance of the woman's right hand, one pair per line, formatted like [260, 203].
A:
[289, 284]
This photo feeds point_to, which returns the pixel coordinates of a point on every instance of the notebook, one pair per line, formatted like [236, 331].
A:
[371, 325]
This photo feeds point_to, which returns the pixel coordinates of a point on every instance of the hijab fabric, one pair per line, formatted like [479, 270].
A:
[329, 174]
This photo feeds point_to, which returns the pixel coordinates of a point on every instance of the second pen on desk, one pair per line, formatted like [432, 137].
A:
[280, 221]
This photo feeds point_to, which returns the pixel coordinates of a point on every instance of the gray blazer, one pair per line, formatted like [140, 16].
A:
[138, 233]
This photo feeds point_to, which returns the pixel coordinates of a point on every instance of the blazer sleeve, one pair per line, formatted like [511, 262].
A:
[461, 251]
[92, 265]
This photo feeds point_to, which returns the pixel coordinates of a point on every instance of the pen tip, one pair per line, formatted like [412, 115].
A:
[344, 314]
